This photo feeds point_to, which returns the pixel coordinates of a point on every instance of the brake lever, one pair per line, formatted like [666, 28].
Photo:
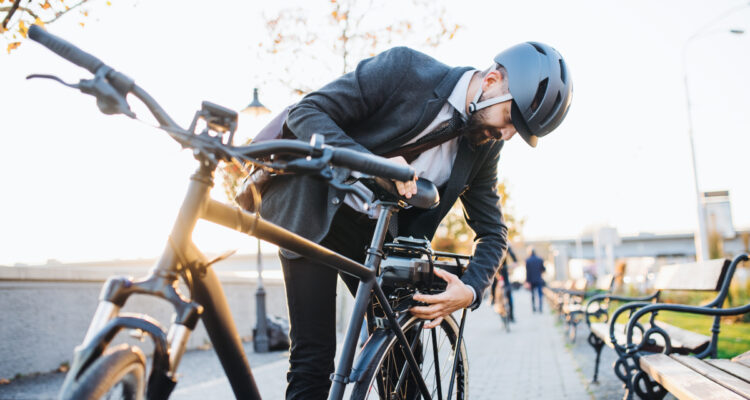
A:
[52, 77]
[108, 99]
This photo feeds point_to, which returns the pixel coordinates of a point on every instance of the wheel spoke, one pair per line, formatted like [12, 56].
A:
[434, 352]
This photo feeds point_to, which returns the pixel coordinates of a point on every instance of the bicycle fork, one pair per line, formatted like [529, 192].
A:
[179, 256]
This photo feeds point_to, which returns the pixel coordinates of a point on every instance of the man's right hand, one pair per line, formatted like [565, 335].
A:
[408, 188]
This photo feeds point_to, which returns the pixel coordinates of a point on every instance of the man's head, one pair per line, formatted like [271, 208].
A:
[530, 251]
[491, 122]
[529, 87]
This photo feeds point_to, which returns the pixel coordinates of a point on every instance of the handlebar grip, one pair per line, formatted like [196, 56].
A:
[65, 49]
[372, 164]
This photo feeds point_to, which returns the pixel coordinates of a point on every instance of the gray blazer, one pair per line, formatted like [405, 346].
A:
[385, 102]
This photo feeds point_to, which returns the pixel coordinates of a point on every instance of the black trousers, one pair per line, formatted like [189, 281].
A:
[311, 298]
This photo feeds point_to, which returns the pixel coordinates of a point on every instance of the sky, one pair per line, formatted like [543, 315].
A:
[79, 185]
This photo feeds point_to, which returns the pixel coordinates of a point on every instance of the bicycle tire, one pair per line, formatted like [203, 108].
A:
[506, 317]
[382, 373]
[122, 364]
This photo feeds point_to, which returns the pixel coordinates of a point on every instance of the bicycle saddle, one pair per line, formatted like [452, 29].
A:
[427, 196]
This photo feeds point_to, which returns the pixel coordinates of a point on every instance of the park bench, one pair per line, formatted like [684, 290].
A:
[679, 370]
[559, 294]
[573, 307]
[604, 330]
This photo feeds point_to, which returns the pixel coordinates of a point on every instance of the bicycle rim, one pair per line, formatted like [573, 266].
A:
[382, 380]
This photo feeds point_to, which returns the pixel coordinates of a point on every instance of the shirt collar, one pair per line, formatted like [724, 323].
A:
[457, 98]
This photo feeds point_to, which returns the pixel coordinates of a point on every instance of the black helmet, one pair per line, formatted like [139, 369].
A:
[541, 88]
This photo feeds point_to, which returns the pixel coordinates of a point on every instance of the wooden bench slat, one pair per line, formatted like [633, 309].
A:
[743, 358]
[706, 275]
[683, 382]
[684, 339]
[601, 330]
[604, 282]
[737, 369]
[681, 339]
[719, 376]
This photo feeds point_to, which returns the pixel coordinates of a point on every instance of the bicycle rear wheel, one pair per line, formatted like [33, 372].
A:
[434, 351]
[120, 373]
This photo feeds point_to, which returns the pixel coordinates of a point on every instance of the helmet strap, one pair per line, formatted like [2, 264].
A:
[474, 106]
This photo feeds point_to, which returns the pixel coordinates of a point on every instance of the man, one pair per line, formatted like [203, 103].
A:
[534, 270]
[391, 100]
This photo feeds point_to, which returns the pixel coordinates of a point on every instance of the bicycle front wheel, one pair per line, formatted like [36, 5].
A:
[388, 376]
[120, 373]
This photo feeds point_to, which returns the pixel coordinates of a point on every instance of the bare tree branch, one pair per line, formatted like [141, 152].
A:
[11, 11]
[61, 13]
[24, 9]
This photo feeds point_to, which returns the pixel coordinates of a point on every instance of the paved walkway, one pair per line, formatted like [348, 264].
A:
[530, 362]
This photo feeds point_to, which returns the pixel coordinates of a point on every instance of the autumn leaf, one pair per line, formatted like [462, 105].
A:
[13, 46]
[22, 29]
[46, 5]
[82, 24]
[39, 22]
[2, 30]
[109, 3]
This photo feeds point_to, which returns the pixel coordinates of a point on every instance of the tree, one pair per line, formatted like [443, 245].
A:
[454, 234]
[305, 50]
[17, 18]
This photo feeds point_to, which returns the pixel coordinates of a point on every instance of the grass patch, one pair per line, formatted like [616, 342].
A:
[734, 338]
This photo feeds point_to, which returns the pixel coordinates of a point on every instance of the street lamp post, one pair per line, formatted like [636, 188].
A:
[260, 338]
[701, 236]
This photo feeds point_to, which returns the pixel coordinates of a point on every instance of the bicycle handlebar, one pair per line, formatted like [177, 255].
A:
[65, 49]
[366, 163]
[363, 162]
[372, 164]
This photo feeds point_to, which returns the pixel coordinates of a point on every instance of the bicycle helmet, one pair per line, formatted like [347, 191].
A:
[540, 86]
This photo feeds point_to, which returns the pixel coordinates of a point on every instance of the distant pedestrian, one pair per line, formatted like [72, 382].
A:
[534, 270]
[508, 288]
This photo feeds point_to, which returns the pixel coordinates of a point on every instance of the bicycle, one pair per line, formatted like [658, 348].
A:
[500, 302]
[399, 359]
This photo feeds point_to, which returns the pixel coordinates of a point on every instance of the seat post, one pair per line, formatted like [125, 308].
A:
[375, 251]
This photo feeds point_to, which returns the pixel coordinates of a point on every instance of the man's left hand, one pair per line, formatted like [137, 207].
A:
[456, 296]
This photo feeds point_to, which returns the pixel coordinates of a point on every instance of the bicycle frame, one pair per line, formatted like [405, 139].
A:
[208, 302]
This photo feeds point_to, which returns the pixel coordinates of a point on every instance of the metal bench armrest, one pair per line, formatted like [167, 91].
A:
[599, 298]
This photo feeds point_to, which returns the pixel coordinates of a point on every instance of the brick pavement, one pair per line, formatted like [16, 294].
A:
[530, 362]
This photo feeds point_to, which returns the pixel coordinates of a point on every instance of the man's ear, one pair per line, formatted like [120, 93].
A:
[493, 78]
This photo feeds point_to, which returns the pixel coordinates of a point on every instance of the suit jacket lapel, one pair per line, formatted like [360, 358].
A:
[431, 109]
